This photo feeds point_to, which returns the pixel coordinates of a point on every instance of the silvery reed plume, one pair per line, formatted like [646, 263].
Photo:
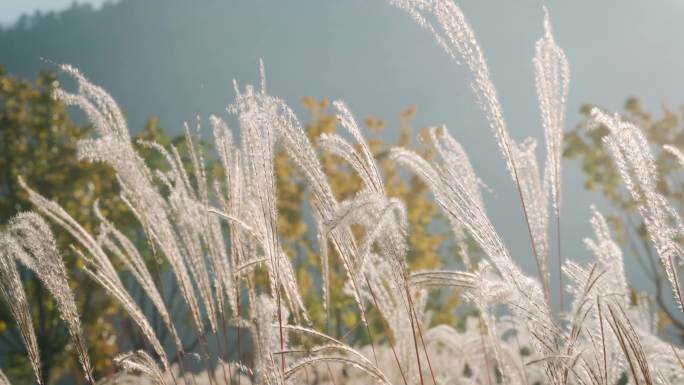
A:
[215, 237]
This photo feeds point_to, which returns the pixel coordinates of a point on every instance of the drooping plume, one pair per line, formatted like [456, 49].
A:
[140, 362]
[114, 147]
[38, 251]
[12, 292]
[456, 37]
[98, 266]
[636, 165]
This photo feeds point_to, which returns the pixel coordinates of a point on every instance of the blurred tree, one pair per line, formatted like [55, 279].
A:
[585, 143]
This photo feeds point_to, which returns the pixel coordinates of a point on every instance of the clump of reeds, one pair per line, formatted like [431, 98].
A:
[216, 238]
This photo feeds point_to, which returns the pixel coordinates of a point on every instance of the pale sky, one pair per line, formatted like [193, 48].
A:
[10, 10]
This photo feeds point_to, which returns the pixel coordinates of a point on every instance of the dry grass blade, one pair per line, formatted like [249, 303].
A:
[12, 292]
[630, 344]
[140, 362]
[3, 379]
[360, 365]
[40, 254]
[120, 246]
[443, 278]
[679, 358]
